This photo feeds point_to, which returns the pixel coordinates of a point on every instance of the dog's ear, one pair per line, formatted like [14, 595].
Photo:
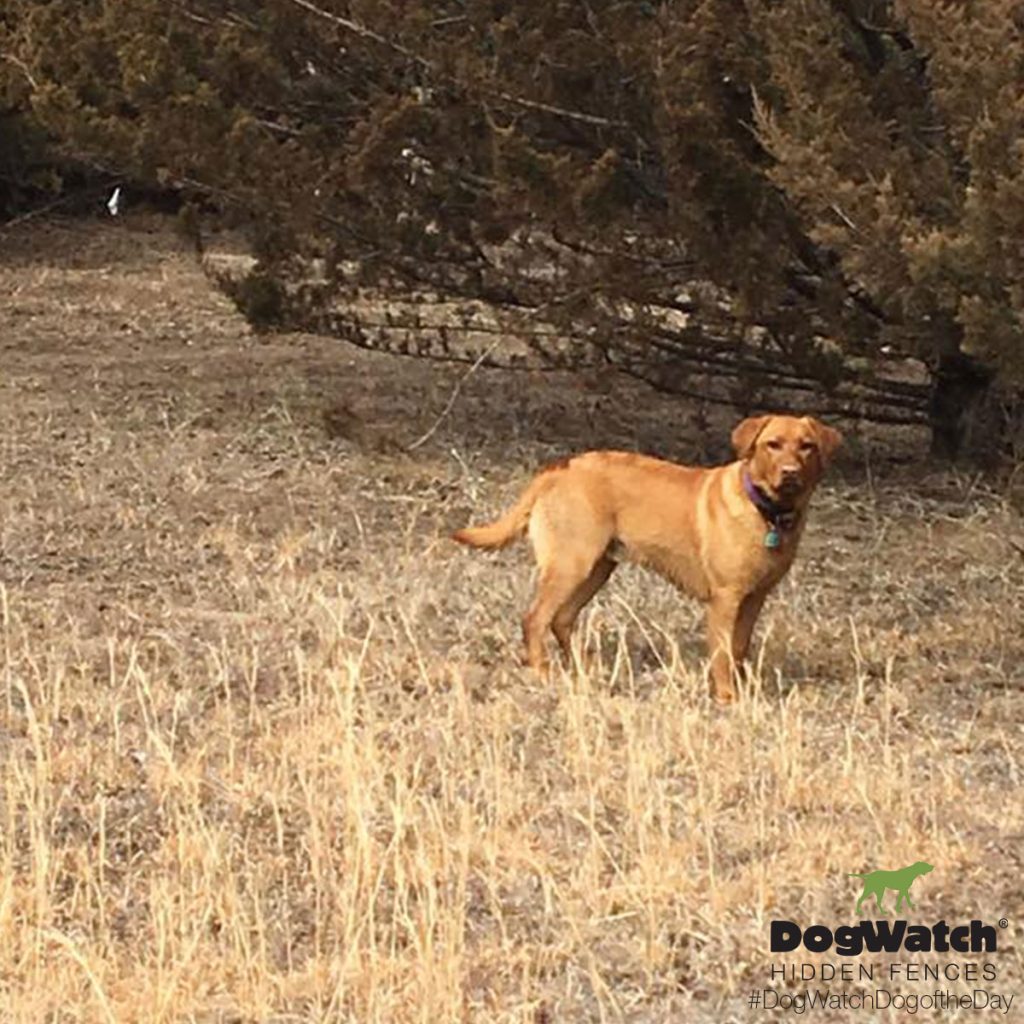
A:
[745, 435]
[829, 440]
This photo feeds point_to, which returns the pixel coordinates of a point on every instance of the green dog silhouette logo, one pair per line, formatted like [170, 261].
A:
[876, 882]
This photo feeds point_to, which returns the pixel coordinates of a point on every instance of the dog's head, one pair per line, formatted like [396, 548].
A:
[785, 455]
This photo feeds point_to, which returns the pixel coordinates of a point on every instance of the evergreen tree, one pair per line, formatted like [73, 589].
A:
[625, 182]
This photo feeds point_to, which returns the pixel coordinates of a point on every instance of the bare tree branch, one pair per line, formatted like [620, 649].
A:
[364, 32]
[22, 67]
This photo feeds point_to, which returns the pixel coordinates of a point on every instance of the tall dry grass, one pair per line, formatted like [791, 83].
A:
[311, 809]
[267, 756]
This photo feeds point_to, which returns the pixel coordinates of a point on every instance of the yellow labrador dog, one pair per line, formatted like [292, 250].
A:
[726, 535]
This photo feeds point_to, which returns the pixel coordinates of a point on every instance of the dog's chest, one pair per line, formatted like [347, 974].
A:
[751, 564]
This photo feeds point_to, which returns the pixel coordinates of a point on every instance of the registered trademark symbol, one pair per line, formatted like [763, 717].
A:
[1003, 923]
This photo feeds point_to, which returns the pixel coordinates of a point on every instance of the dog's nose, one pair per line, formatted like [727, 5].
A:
[790, 472]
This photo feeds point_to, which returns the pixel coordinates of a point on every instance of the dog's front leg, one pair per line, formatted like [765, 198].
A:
[750, 609]
[722, 628]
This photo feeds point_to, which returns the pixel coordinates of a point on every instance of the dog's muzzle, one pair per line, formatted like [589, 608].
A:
[789, 485]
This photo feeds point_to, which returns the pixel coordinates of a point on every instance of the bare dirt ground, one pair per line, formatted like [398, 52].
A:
[266, 752]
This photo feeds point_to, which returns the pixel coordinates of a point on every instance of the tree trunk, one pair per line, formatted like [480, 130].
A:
[968, 413]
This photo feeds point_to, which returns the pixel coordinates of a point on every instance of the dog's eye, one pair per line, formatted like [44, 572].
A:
[774, 444]
[808, 446]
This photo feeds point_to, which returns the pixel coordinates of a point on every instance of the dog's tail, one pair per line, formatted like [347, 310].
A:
[857, 874]
[512, 525]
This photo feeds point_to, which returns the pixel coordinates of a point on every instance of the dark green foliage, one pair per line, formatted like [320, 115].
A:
[261, 298]
[849, 175]
[25, 169]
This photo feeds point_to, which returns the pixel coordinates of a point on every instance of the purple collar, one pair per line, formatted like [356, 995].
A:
[778, 516]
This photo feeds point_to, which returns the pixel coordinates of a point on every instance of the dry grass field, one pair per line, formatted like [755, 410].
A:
[267, 754]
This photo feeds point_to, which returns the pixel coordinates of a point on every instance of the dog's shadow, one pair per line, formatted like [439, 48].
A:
[779, 669]
[635, 659]
[638, 659]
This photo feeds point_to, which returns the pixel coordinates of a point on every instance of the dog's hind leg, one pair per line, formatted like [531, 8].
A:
[568, 545]
[555, 586]
[565, 618]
